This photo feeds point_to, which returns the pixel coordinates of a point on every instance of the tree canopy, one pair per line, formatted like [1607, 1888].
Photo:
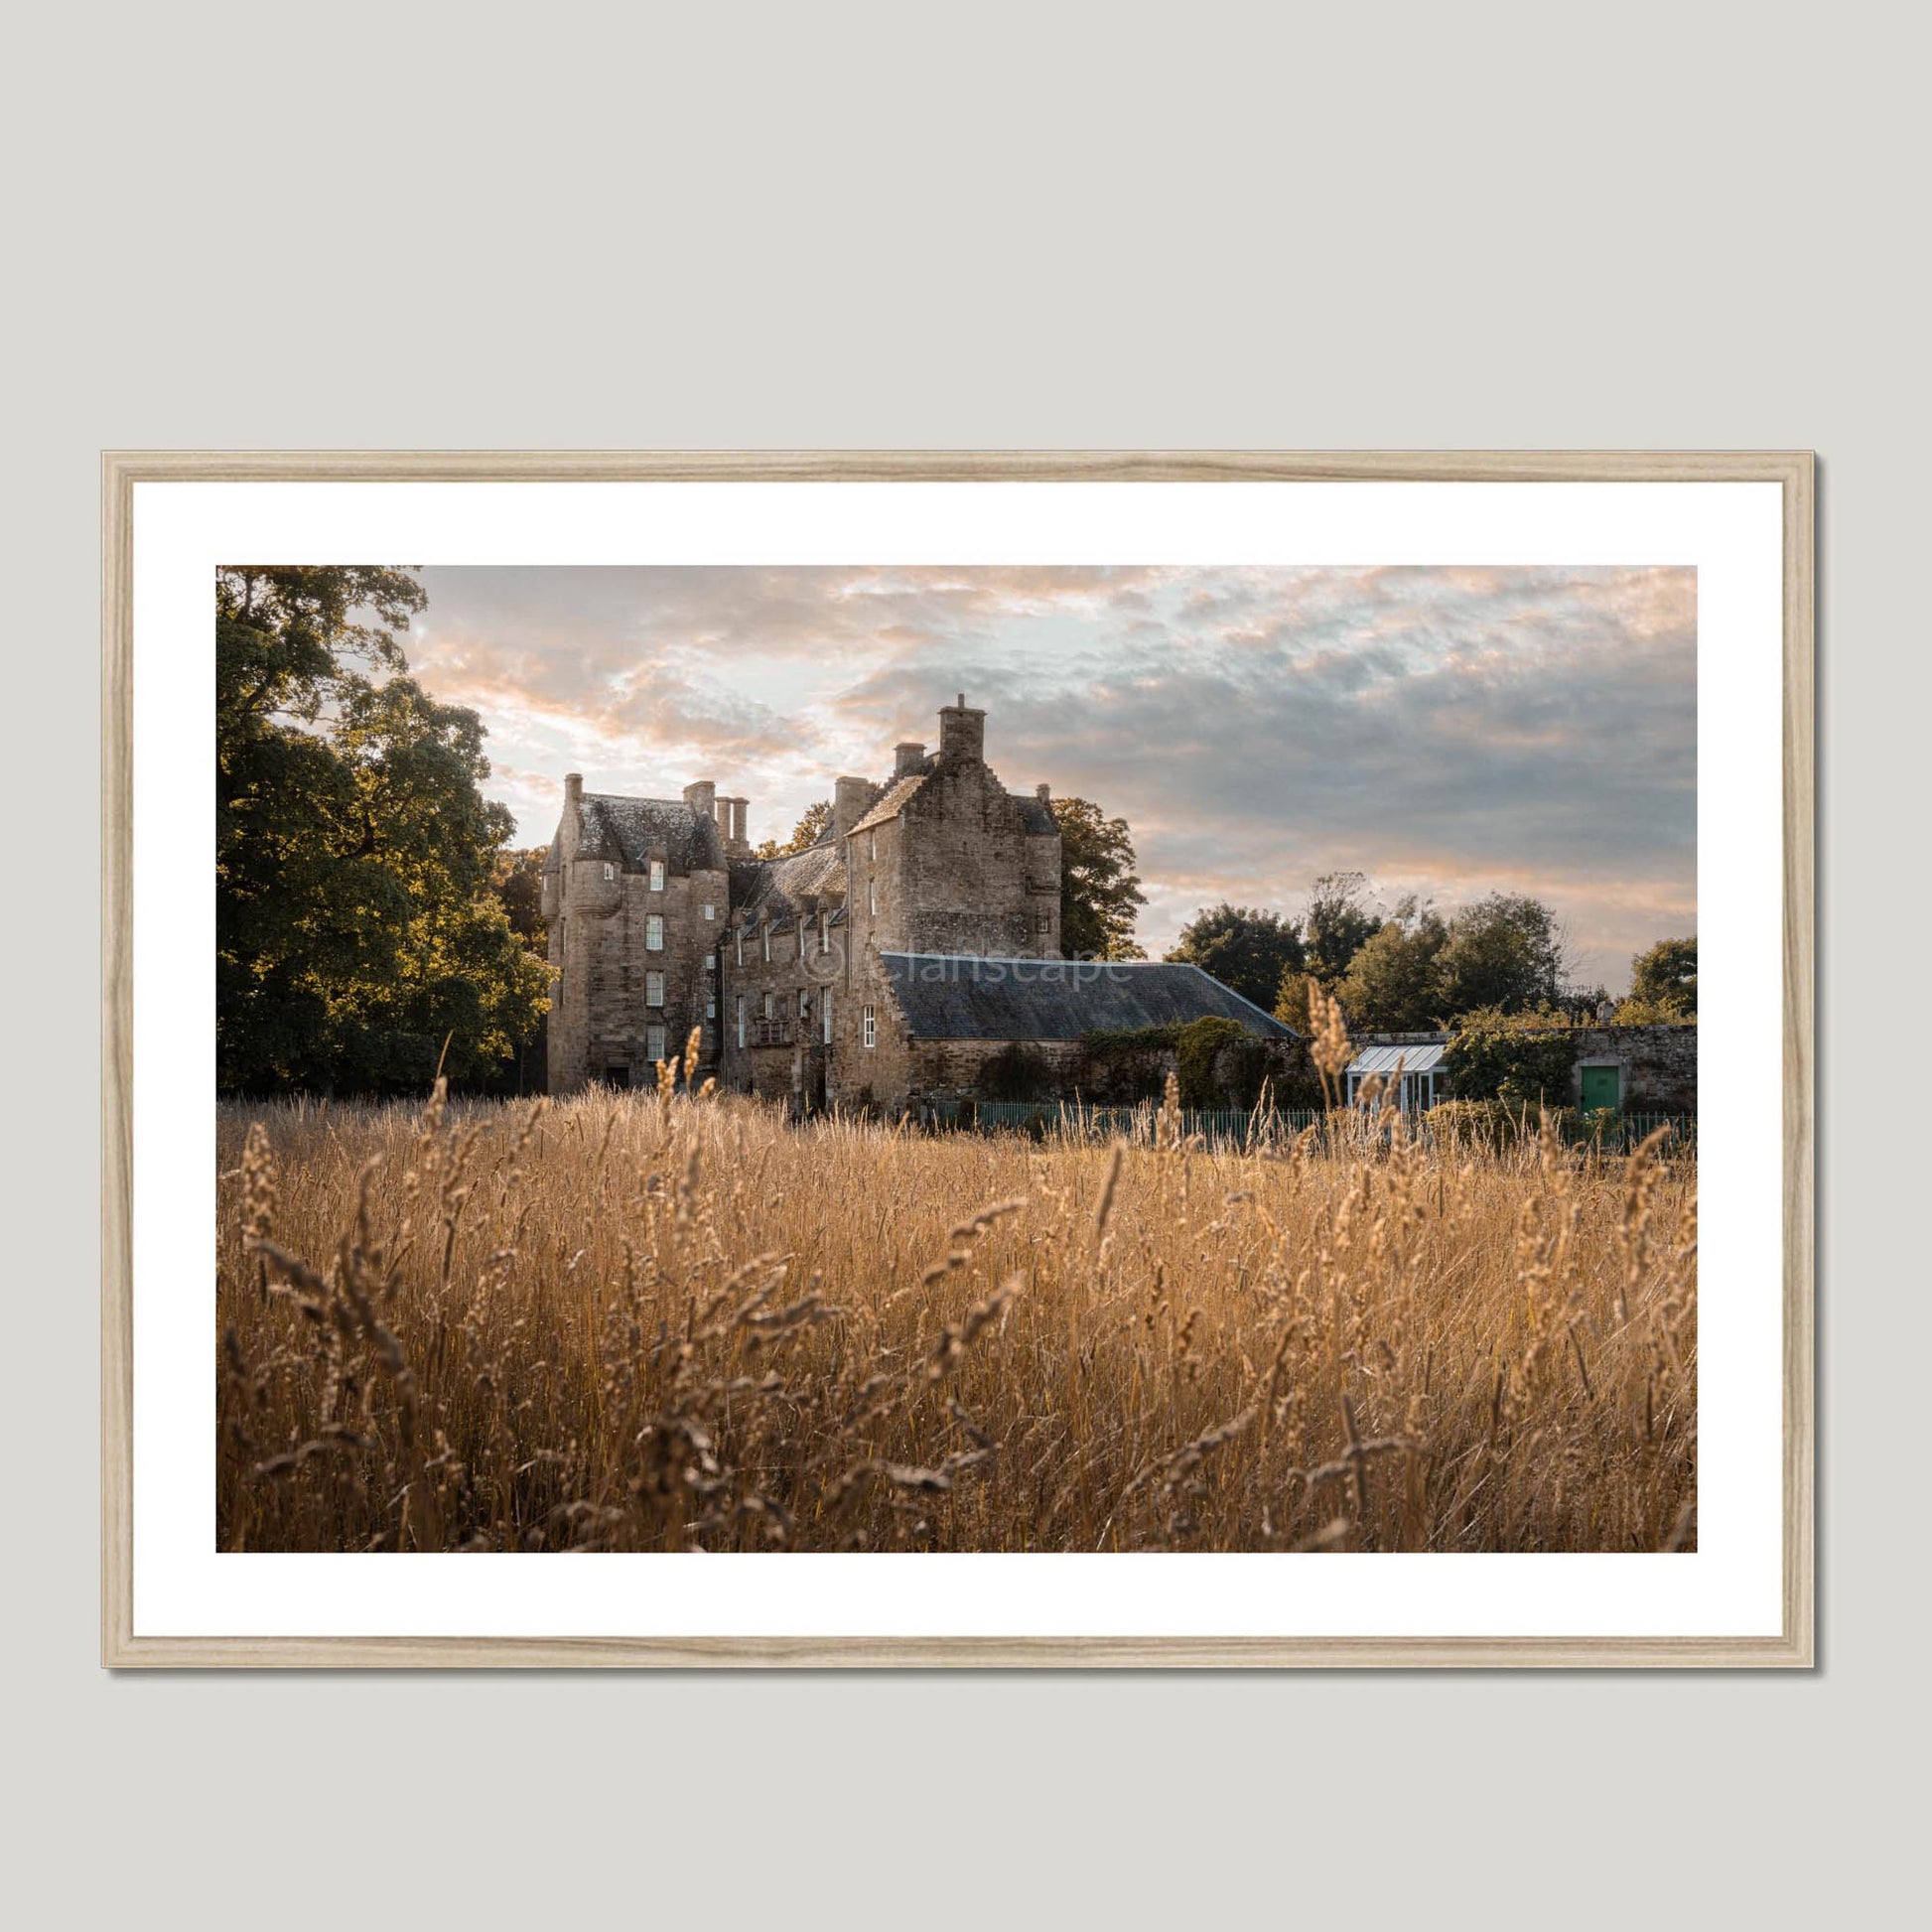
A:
[1099, 889]
[1666, 977]
[804, 835]
[1507, 951]
[516, 878]
[1338, 924]
[1394, 983]
[1245, 947]
[356, 930]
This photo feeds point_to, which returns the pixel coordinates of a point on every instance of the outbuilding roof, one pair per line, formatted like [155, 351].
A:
[1417, 1058]
[952, 996]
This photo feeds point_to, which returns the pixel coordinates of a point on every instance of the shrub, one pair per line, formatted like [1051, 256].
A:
[1018, 1071]
[1199, 1045]
[1492, 1123]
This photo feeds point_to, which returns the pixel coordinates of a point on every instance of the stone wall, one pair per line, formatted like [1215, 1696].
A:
[1658, 1065]
[783, 1054]
[600, 1017]
[954, 1069]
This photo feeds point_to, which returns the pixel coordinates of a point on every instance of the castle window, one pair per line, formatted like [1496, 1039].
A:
[824, 944]
[872, 900]
[871, 843]
[711, 911]
[804, 1004]
[826, 1015]
[653, 989]
[654, 934]
[767, 1007]
[657, 875]
[711, 962]
[711, 1006]
[871, 1027]
[739, 938]
[610, 871]
[741, 1020]
[765, 930]
[655, 1044]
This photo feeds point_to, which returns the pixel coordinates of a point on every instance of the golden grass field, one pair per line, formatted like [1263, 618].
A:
[637, 1321]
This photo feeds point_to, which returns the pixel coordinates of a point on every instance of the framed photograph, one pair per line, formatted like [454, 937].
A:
[988, 1059]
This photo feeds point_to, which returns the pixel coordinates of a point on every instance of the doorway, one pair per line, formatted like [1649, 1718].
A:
[1602, 1089]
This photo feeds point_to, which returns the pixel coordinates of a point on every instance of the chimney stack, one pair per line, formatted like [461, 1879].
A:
[851, 797]
[1044, 793]
[908, 757]
[962, 736]
[702, 797]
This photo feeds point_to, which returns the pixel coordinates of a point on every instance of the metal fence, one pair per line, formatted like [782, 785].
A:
[1264, 1127]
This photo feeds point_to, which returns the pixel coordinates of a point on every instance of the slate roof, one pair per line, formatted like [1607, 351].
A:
[632, 829]
[776, 889]
[946, 995]
[1037, 815]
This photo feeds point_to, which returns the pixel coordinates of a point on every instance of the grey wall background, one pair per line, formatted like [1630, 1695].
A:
[1104, 226]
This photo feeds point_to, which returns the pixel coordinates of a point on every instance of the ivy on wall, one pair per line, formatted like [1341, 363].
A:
[1524, 1059]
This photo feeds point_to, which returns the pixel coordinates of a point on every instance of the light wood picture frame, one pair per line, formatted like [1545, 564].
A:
[124, 1648]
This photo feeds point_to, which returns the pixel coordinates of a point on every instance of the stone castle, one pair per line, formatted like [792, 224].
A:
[881, 967]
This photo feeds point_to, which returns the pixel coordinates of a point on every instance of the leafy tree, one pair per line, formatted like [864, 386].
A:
[1393, 984]
[1099, 888]
[356, 926]
[1244, 947]
[1666, 977]
[804, 835]
[1507, 951]
[517, 878]
[1338, 924]
[1291, 1001]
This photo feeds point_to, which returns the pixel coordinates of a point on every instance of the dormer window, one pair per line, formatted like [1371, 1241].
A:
[657, 875]
[824, 944]
[766, 934]
[610, 871]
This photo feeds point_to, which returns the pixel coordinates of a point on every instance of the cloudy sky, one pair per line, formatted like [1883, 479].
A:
[1448, 731]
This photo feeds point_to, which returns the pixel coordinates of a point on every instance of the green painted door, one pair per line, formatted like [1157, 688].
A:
[1600, 1090]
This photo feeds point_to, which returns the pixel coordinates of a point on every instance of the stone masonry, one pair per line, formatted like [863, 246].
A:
[663, 920]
